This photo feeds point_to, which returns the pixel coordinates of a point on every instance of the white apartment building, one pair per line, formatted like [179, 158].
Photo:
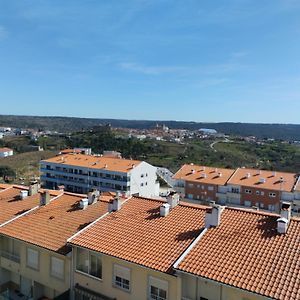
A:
[81, 173]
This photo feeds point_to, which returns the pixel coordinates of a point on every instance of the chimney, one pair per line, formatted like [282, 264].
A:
[285, 217]
[44, 198]
[213, 217]
[173, 199]
[61, 188]
[83, 204]
[33, 189]
[262, 180]
[248, 175]
[23, 194]
[93, 197]
[116, 204]
[164, 210]
[220, 174]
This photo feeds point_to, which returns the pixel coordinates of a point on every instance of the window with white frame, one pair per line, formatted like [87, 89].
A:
[247, 191]
[57, 268]
[89, 262]
[121, 277]
[273, 195]
[32, 258]
[158, 289]
[235, 190]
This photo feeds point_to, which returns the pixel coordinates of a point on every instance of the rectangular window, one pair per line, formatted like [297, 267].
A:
[210, 188]
[191, 185]
[248, 191]
[122, 277]
[247, 203]
[235, 190]
[89, 262]
[273, 195]
[32, 258]
[57, 268]
[158, 289]
[271, 207]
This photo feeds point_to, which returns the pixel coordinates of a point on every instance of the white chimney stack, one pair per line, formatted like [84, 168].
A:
[164, 210]
[285, 217]
[213, 218]
[84, 203]
[173, 199]
[116, 204]
[23, 194]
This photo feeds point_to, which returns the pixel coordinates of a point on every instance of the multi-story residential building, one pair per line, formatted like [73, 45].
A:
[297, 197]
[35, 258]
[243, 254]
[81, 173]
[260, 188]
[240, 187]
[202, 183]
[4, 152]
[136, 247]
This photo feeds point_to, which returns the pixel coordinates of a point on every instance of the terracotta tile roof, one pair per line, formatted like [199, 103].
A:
[138, 234]
[246, 252]
[270, 180]
[95, 162]
[4, 186]
[11, 204]
[204, 174]
[50, 226]
[5, 149]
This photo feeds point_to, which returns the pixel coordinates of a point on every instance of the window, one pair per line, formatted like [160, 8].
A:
[191, 185]
[210, 188]
[146, 183]
[262, 193]
[57, 267]
[89, 262]
[235, 190]
[121, 277]
[248, 191]
[142, 175]
[247, 203]
[158, 289]
[257, 192]
[32, 259]
[271, 207]
[273, 195]
[142, 184]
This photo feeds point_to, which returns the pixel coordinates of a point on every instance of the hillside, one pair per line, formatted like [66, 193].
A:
[288, 132]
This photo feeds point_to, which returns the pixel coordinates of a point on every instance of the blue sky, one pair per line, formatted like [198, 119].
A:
[231, 60]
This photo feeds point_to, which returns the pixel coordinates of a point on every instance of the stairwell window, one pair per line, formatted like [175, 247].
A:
[273, 195]
[121, 278]
[247, 191]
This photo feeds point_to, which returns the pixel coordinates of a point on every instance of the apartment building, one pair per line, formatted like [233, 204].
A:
[81, 173]
[136, 246]
[202, 183]
[240, 187]
[4, 152]
[243, 254]
[264, 189]
[35, 259]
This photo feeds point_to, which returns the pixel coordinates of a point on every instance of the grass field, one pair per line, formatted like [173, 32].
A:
[26, 165]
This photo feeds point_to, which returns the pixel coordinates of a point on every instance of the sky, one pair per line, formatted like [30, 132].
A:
[192, 60]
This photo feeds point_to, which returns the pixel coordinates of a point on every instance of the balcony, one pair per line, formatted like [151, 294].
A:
[10, 256]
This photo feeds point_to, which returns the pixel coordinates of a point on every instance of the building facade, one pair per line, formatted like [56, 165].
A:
[82, 173]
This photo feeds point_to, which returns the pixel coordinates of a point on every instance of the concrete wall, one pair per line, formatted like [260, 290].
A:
[139, 281]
